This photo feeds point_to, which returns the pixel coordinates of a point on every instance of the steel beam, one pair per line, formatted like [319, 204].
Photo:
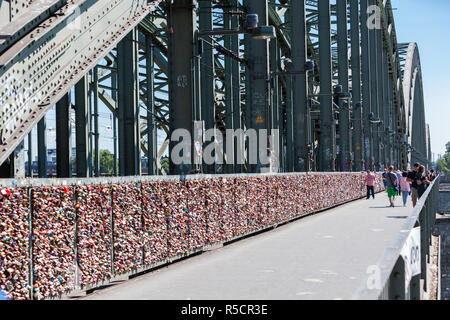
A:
[300, 86]
[128, 105]
[236, 81]
[207, 81]
[63, 138]
[182, 25]
[366, 87]
[358, 141]
[345, 140]
[61, 50]
[327, 122]
[257, 54]
[42, 148]
[152, 146]
[82, 126]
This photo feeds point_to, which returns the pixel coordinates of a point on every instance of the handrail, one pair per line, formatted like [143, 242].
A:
[47, 182]
[387, 263]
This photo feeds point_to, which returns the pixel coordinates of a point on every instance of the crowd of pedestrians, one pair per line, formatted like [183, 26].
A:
[402, 183]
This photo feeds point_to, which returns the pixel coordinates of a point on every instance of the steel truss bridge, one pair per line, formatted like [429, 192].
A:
[163, 65]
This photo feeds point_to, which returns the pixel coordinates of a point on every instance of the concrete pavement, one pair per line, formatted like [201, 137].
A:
[325, 256]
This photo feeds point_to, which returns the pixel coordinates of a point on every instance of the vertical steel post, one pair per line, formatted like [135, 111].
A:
[375, 107]
[300, 86]
[327, 122]
[274, 101]
[42, 148]
[257, 53]
[63, 138]
[182, 28]
[358, 141]
[366, 86]
[152, 147]
[397, 290]
[96, 132]
[82, 126]
[30, 154]
[343, 66]
[114, 116]
[236, 80]
[229, 88]
[208, 95]
[380, 93]
[128, 91]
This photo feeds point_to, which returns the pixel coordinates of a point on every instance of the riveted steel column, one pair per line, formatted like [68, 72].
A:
[152, 147]
[229, 88]
[327, 122]
[63, 138]
[96, 132]
[380, 93]
[300, 86]
[128, 90]
[42, 148]
[358, 141]
[207, 81]
[366, 87]
[386, 108]
[257, 53]
[82, 126]
[275, 105]
[182, 25]
[236, 80]
[343, 65]
[375, 107]
[397, 290]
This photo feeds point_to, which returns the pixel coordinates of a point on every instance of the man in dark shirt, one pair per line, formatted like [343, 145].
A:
[412, 178]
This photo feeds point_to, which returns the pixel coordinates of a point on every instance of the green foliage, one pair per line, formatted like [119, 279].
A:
[106, 162]
[443, 165]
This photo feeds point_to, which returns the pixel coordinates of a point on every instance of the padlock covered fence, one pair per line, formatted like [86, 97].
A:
[60, 236]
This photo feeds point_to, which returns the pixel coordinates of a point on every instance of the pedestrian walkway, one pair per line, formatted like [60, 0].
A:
[325, 256]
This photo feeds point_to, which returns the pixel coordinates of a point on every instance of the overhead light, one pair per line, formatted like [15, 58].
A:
[251, 21]
[264, 33]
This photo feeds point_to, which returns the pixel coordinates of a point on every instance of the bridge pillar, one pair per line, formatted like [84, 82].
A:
[366, 69]
[236, 79]
[152, 143]
[327, 122]
[82, 120]
[257, 102]
[374, 89]
[128, 106]
[357, 145]
[345, 134]
[300, 87]
[63, 138]
[182, 28]
[207, 80]
[42, 147]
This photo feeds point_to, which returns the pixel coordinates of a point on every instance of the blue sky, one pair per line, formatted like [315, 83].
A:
[428, 24]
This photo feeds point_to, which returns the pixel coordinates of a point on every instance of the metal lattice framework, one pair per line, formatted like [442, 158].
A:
[134, 58]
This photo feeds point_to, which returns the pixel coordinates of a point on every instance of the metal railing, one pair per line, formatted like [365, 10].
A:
[389, 280]
[237, 206]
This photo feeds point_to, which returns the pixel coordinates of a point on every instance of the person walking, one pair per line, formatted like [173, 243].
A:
[405, 188]
[370, 184]
[422, 182]
[412, 178]
[392, 185]
[384, 180]
[399, 176]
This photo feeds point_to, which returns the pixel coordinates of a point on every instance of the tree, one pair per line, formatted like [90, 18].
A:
[106, 162]
[443, 165]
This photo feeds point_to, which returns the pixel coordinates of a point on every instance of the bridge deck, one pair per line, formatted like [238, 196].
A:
[320, 257]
